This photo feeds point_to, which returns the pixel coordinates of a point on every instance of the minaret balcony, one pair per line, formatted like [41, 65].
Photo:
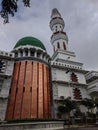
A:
[56, 20]
[59, 35]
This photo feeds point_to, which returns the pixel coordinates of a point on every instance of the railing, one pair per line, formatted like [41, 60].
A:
[91, 75]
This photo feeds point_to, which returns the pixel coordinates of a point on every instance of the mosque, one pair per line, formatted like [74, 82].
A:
[31, 82]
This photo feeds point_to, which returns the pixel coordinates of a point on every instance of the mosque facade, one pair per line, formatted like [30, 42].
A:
[31, 82]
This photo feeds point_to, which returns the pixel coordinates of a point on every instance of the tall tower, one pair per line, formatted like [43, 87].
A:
[59, 38]
[68, 77]
[29, 95]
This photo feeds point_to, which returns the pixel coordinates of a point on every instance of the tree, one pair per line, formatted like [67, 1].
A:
[96, 104]
[89, 103]
[66, 106]
[9, 7]
[61, 111]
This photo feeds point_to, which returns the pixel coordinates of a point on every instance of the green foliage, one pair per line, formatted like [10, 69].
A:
[96, 102]
[66, 105]
[78, 113]
[62, 109]
[91, 115]
[89, 103]
[9, 7]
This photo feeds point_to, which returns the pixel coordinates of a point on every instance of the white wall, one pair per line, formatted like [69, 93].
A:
[60, 43]
[9, 67]
[84, 93]
[67, 91]
[60, 75]
[3, 106]
[5, 88]
[93, 83]
[81, 78]
[66, 57]
[64, 91]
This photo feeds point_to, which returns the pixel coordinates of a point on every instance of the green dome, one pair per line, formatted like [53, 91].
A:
[30, 41]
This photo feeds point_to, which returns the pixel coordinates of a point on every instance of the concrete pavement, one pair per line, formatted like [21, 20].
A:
[81, 127]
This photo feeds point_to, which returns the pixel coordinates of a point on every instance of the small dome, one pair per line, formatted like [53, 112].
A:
[30, 41]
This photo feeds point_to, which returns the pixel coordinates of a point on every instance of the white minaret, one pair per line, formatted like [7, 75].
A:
[59, 38]
[68, 76]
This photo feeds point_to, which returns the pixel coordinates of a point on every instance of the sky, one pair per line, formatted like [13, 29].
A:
[81, 26]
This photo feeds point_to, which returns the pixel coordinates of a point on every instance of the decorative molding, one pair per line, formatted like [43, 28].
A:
[71, 83]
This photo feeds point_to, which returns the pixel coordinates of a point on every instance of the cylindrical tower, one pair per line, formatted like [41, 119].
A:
[59, 38]
[30, 89]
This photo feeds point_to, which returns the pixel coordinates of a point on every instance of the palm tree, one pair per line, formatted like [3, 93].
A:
[61, 111]
[89, 103]
[66, 106]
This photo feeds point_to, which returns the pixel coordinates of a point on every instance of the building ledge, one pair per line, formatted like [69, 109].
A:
[69, 83]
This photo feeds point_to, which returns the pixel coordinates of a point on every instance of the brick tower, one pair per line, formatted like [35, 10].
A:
[30, 88]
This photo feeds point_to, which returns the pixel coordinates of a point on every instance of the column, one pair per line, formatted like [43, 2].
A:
[45, 90]
[23, 53]
[28, 52]
[35, 54]
[26, 91]
[12, 96]
[34, 104]
[19, 92]
[40, 92]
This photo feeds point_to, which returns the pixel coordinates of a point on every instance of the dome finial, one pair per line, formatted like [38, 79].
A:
[55, 13]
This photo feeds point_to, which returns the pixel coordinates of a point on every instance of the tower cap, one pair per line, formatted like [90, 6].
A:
[55, 13]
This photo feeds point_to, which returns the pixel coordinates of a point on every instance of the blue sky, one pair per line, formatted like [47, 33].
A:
[81, 26]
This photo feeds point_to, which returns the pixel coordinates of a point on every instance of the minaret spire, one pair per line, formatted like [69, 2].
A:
[59, 38]
[55, 13]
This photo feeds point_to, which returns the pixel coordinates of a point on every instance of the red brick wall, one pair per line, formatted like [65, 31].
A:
[40, 92]
[19, 94]
[30, 91]
[48, 92]
[11, 103]
[34, 104]
[45, 89]
[26, 93]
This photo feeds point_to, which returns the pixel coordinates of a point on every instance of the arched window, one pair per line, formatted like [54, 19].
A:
[58, 45]
[26, 52]
[74, 77]
[77, 94]
[1, 84]
[32, 53]
[38, 54]
[56, 28]
[16, 54]
[64, 46]
[43, 56]
[21, 53]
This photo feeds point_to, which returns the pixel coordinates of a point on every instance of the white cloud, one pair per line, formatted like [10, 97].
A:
[81, 25]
